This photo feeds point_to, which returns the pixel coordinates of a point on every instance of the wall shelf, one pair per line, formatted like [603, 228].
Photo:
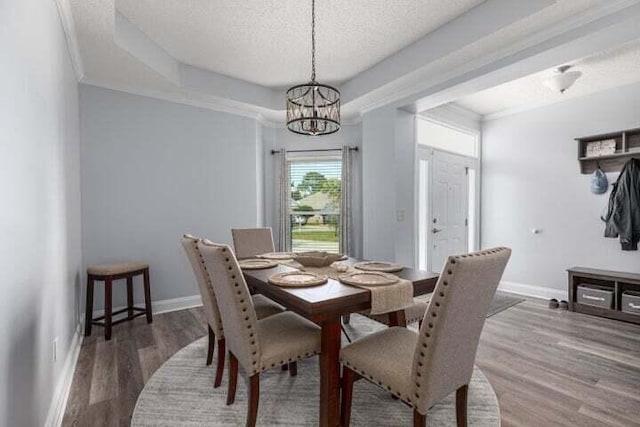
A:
[627, 146]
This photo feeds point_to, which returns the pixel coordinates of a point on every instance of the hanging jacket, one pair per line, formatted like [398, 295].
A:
[623, 214]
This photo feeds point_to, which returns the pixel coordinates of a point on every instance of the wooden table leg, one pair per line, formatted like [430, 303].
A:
[397, 318]
[330, 374]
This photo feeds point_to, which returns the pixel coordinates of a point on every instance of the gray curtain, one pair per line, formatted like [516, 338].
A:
[284, 187]
[345, 203]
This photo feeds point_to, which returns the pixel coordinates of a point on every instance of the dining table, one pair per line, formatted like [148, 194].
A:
[325, 305]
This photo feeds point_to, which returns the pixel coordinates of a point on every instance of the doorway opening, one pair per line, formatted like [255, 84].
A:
[447, 192]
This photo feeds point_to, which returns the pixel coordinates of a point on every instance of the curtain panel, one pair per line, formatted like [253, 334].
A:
[345, 203]
[284, 188]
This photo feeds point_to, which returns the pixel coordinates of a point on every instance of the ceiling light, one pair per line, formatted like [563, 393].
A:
[562, 79]
[313, 108]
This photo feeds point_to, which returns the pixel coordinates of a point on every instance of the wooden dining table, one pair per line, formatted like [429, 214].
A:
[325, 305]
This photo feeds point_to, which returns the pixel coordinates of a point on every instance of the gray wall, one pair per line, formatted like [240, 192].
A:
[277, 138]
[153, 170]
[531, 180]
[388, 169]
[40, 208]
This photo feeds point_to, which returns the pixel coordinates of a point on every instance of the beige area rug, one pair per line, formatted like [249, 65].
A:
[181, 393]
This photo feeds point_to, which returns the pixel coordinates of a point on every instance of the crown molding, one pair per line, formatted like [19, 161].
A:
[221, 105]
[69, 28]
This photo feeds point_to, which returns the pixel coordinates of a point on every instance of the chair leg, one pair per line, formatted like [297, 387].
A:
[130, 297]
[461, 405]
[107, 308]
[212, 345]
[293, 369]
[254, 398]
[147, 295]
[344, 331]
[419, 420]
[346, 318]
[233, 379]
[222, 351]
[348, 378]
[88, 316]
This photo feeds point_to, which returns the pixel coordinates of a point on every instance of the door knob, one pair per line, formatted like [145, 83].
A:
[435, 230]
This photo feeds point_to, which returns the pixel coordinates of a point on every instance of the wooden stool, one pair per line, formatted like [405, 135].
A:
[108, 273]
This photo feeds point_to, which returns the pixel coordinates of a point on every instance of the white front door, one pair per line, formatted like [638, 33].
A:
[449, 209]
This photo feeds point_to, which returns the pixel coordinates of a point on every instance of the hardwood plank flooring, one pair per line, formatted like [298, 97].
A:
[548, 367]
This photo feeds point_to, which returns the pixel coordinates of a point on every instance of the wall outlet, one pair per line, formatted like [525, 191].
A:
[400, 215]
[55, 349]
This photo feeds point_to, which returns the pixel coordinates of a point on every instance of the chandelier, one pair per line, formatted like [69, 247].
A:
[313, 108]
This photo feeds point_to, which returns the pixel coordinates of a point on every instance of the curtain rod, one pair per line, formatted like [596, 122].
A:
[309, 151]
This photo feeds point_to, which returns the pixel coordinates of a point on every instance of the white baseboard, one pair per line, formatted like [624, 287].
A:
[166, 305]
[532, 290]
[63, 387]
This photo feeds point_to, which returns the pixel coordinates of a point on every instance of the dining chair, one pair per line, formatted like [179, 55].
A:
[264, 306]
[254, 344]
[413, 313]
[250, 242]
[421, 368]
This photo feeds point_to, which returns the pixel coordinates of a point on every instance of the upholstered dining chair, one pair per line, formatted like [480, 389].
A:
[254, 344]
[413, 313]
[264, 306]
[249, 242]
[424, 367]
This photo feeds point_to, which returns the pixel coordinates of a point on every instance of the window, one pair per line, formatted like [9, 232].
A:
[314, 205]
[446, 138]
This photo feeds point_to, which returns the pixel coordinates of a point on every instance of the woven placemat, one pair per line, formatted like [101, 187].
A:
[297, 279]
[368, 278]
[256, 264]
[387, 267]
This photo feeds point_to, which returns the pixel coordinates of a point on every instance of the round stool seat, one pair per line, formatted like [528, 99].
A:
[115, 269]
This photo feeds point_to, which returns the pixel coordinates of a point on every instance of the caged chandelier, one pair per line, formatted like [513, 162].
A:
[313, 108]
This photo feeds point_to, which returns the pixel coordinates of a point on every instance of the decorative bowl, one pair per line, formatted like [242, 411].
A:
[318, 258]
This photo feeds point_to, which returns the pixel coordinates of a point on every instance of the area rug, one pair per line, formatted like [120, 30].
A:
[181, 393]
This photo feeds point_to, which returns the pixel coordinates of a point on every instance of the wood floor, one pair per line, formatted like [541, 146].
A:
[548, 367]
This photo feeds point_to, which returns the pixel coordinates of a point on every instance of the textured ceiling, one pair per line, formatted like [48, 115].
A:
[352, 35]
[268, 41]
[601, 71]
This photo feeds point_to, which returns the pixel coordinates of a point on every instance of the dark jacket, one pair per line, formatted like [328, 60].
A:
[623, 215]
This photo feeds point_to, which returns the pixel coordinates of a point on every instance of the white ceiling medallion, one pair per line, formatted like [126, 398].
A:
[313, 108]
[562, 79]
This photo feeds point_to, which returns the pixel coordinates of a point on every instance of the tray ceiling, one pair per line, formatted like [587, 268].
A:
[267, 42]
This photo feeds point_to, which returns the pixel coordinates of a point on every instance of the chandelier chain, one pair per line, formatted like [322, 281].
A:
[313, 40]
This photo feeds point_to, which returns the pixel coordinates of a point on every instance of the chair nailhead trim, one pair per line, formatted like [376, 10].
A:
[427, 335]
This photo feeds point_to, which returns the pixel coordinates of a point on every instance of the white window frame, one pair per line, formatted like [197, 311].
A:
[310, 157]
